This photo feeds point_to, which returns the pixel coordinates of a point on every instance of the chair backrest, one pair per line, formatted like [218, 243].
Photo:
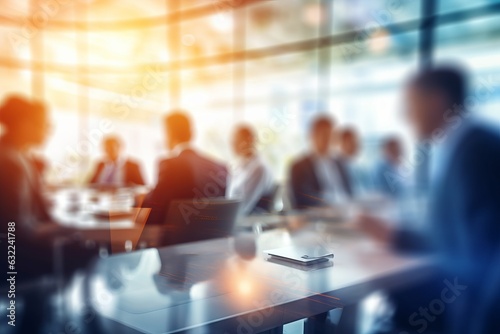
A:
[200, 219]
[289, 202]
[266, 202]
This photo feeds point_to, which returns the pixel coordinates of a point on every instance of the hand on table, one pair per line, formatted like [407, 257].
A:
[375, 227]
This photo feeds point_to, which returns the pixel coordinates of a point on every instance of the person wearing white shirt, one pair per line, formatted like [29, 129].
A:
[251, 179]
[349, 147]
[388, 178]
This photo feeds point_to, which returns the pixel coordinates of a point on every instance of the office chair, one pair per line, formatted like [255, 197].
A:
[200, 219]
[266, 202]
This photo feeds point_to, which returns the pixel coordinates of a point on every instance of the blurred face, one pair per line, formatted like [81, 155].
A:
[349, 145]
[112, 149]
[243, 144]
[393, 152]
[321, 138]
[425, 111]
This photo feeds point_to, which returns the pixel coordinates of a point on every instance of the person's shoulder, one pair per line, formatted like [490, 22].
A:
[485, 133]
[480, 139]
[205, 160]
[301, 160]
[11, 167]
[478, 153]
[262, 163]
[166, 161]
[132, 162]
[99, 163]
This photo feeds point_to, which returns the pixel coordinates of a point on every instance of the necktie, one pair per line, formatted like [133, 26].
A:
[110, 178]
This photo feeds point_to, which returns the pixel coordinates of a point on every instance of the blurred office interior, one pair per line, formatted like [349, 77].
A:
[118, 67]
[270, 63]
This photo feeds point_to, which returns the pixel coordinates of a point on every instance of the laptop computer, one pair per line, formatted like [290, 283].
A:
[300, 255]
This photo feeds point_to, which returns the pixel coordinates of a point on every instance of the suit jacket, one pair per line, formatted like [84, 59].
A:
[186, 176]
[21, 202]
[386, 179]
[131, 173]
[464, 229]
[306, 189]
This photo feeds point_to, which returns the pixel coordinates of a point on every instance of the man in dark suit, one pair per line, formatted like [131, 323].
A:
[463, 229]
[116, 170]
[24, 213]
[317, 179]
[187, 174]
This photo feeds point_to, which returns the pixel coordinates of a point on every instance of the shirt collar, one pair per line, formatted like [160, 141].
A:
[119, 162]
[249, 161]
[181, 147]
[316, 157]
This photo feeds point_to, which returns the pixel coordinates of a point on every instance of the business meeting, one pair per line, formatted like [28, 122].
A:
[250, 166]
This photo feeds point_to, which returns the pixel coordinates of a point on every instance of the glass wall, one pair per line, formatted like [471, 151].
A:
[118, 66]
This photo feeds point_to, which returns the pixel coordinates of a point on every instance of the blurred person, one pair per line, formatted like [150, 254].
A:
[252, 178]
[115, 169]
[25, 126]
[23, 211]
[316, 178]
[349, 147]
[186, 174]
[463, 227]
[40, 164]
[387, 178]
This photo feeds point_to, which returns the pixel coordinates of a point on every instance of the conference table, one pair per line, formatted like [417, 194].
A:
[109, 218]
[230, 285]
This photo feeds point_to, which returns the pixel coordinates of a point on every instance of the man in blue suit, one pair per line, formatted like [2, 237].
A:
[463, 229]
[387, 172]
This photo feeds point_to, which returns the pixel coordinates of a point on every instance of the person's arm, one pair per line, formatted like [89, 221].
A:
[12, 186]
[133, 174]
[153, 198]
[139, 179]
[14, 195]
[478, 200]
[395, 236]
